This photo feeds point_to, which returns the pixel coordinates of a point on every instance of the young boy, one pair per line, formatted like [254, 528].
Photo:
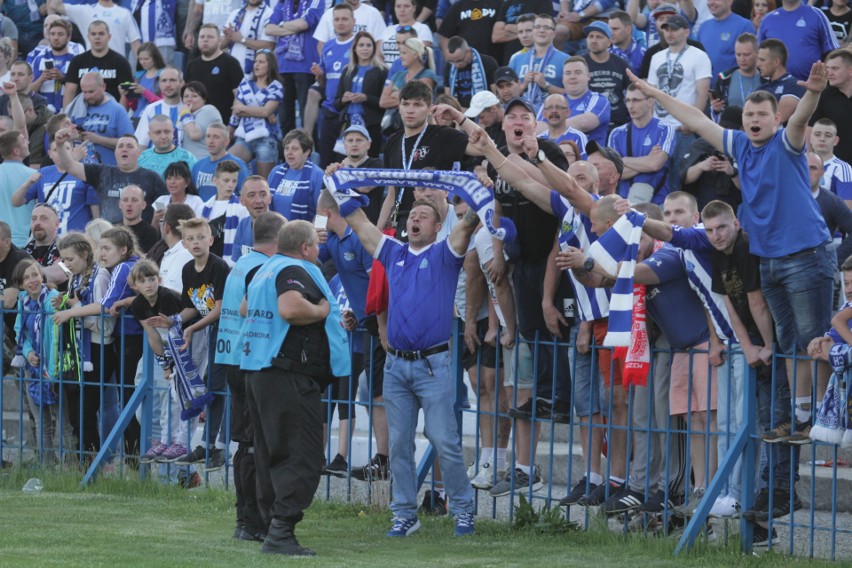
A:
[841, 329]
[223, 212]
[203, 286]
[838, 174]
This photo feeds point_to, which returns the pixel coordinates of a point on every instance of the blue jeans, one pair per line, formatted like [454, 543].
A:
[409, 386]
[772, 413]
[729, 412]
[587, 389]
[798, 291]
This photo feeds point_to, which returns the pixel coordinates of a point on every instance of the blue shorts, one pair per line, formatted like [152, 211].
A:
[263, 149]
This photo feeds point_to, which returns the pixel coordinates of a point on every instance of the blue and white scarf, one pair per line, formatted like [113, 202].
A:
[253, 33]
[292, 47]
[189, 385]
[234, 213]
[464, 184]
[478, 80]
[620, 244]
[250, 127]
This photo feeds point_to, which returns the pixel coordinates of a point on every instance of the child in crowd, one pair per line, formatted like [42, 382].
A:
[224, 212]
[36, 355]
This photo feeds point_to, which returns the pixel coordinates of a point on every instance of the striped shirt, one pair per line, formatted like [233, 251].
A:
[838, 177]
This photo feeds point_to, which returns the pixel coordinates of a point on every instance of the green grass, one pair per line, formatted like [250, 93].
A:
[128, 523]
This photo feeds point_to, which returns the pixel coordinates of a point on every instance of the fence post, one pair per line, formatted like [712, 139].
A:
[749, 459]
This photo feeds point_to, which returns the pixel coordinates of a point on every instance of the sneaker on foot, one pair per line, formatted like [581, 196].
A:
[153, 452]
[543, 410]
[761, 537]
[522, 483]
[464, 524]
[216, 460]
[403, 526]
[338, 467]
[195, 456]
[725, 508]
[657, 503]
[485, 479]
[577, 493]
[523, 411]
[623, 501]
[777, 434]
[688, 508]
[800, 435]
[600, 494]
[376, 470]
[173, 453]
[433, 503]
[780, 506]
[761, 505]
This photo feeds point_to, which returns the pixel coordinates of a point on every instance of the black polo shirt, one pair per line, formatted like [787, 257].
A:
[837, 107]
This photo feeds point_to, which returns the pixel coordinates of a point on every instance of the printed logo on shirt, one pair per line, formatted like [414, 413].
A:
[801, 23]
[350, 256]
[725, 36]
[647, 141]
[295, 282]
[105, 73]
[401, 263]
[421, 153]
[202, 299]
[477, 14]
[424, 264]
[215, 70]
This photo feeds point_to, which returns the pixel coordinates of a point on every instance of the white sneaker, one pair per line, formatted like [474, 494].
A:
[725, 507]
[485, 478]
[471, 471]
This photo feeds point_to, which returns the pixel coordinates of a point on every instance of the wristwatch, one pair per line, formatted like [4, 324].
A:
[589, 264]
[538, 158]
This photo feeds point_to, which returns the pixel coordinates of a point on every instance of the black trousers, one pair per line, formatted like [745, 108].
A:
[287, 421]
[245, 473]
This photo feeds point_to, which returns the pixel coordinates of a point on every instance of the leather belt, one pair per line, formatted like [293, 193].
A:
[416, 355]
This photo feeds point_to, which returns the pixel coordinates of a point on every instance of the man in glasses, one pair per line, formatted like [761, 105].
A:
[505, 32]
[540, 68]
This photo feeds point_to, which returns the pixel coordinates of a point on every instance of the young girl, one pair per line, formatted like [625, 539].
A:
[146, 88]
[759, 9]
[92, 330]
[118, 255]
[35, 354]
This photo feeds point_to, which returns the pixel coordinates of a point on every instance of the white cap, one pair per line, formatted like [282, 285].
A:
[481, 101]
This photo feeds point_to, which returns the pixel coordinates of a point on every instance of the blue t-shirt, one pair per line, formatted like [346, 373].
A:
[643, 140]
[784, 86]
[719, 37]
[72, 198]
[14, 174]
[571, 134]
[51, 90]
[106, 119]
[119, 289]
[633, 55]
[334, 59]
[805, 31]
[295, 192]
[353, 265]
[287, 52]
[204, 169]
[672, 303]
[422, 292]
[779, 213]
[551, 64]
[243, 238]
[594, 103]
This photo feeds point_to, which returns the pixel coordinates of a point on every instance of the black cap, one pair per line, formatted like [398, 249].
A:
[732, 118]
[505, 74]
[520, 101]
[676, 22]
[607, 153]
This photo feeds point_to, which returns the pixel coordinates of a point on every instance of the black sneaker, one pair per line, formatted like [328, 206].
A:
[338, 467]
[761, 505]
[195, 456]
[600, 494]
[761, 538]
[780, 505]
[438, 508]
[522, 483]
[376, 470]
[623, 501]
[656, 503]
[216, 461]
[543, 411]
[562, 413]
[577, 493]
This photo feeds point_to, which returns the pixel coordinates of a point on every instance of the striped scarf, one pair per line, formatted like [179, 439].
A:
[251, 128]
[189, 385]
[234, 213]
[478, 80]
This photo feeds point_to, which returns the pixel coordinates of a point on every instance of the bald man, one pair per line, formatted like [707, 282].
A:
[105, 121]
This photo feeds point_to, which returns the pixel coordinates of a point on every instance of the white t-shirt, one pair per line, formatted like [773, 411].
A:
[389, 47]
[676, 74]
[171, 267]
[122, 27]
[193, 201]
[217, 11]
[367, 19]
[253, 27]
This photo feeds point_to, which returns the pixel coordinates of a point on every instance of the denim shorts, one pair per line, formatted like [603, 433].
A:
[263, 149]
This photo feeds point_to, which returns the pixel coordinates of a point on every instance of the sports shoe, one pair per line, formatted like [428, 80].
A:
[725, 508]
[777, 434]
[688, 508]
[252, 535]
[657, 503]
[238, 530]
[173, 453]
[485, 478]
[522, 483]
[338, 467]
[195, 456]
[544, 410]
[194, 480]
[600, 494]
[433, 506]
[403, 527]
[376, 470]
[216, 460]
[577, 493]
[800, 436]
[780, 506]
[154, 452]
[623, 501]
[761, 538]
[464, 524]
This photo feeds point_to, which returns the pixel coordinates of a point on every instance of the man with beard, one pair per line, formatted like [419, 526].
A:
[556, 113]
[44, 226]
[50, 63]
[105, 120]
[171, 82]
[219, 72]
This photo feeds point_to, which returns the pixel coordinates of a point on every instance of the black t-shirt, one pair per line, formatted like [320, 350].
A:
[221, 76]
[837, 107]
[201, 290]
[736, 275]
[146, 235]
[509, 13]
[302, 337]
[108, 182]
[440, 147]
[610, 79]
[473, 20]
[464, 79]
[709, 185]
[113, 68]
[7, 266]
[536, 229]
[840, 25]
[45, 255]
[168, 303]
[376, 195]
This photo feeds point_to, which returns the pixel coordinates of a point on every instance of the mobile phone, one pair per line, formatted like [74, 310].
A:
[159, 206]
[48, 64]
[126, 85]
[320, 222]
[715, 93]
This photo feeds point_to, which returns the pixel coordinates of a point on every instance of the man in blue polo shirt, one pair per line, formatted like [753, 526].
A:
[786, 227]
[772, 66]
[805, 31]
[422, 277]
[719, 35]
[590, 111]
[216, 138]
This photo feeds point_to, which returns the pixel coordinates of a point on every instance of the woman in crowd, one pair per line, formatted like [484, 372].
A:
[198, 115]
[181, 189]
[405, 11]
[146, 87]
[419, 65]
[759, 9]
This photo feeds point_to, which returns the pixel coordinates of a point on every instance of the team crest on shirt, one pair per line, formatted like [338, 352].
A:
[350, 256]
[647, 141]
[725, 36]
[801, 23]
[424, 264]
[690, 267]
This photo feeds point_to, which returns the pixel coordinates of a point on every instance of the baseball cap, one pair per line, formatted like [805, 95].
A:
[520, 101]
[607, 153]
[360, 129]
[664, 9]
[505, 74]
[481, 101]
[598, 26]
[676, 22]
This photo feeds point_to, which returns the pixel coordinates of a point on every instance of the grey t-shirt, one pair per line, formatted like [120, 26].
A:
[206, 115]
[108, 182]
